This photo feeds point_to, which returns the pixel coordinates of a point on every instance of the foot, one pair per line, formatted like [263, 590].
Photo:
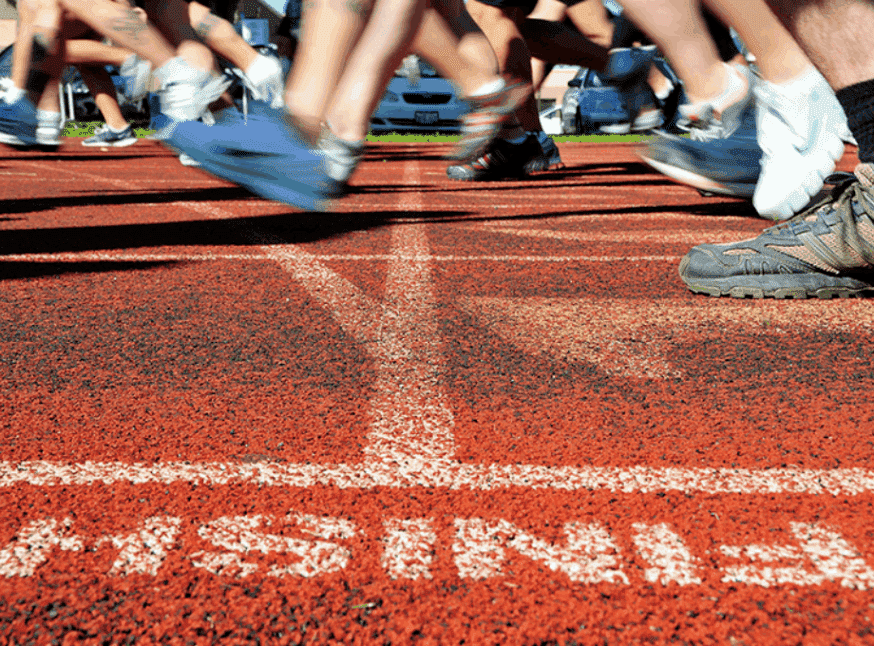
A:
[48, 129]
[341, 157]
[268, 157]
[721, 116]
[137, 75]
[266, 81]
[823, 252]
[503, 160]
[800, 127]
[549, 157]
[727, 166]
[186, 93]
[18, 123]
[488, 112]
[107, 137]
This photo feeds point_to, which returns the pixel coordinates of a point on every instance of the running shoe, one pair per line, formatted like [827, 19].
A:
[268, 157]
[723, 116]
[265, 80]
[727, 166]
[18, 123]
[549, 158]
[487, 114]
[187, 160]
[105, 136]
[823, 252]
[341, 157]
[800, 126]
[187, 92]
[627, 65]
[48, 129]
[137, 76]
[502, 160]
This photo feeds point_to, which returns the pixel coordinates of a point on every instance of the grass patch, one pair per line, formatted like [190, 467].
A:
[86, 129]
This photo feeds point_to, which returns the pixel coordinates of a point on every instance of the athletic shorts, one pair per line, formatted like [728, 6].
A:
[221, 8]
[527, 6]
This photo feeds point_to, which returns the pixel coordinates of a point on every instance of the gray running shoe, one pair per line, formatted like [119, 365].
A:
[482, 124]
[823, 252]
[106, 137]
[341, 157]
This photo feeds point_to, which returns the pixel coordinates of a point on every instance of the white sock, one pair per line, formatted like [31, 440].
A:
[48, 117]
[14, 94]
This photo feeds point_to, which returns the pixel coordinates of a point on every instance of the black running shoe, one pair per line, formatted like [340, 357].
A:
[503, 160]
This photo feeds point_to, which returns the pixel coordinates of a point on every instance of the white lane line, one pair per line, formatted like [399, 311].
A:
[412, 423]
[454, 476]
[639, 237]
[99, 256]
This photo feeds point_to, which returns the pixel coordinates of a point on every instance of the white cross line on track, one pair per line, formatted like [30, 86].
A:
[96, 256]
[411, 442]
[453, 476]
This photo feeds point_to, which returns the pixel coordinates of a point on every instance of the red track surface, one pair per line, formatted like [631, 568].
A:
[478, 413]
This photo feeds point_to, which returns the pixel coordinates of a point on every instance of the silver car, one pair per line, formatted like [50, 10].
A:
[418, 100]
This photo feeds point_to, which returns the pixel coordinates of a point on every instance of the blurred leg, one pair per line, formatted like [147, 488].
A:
[103, 90]
[329, 31]
[384, 43]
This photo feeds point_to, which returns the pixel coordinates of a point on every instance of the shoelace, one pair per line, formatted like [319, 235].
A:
[847, 191]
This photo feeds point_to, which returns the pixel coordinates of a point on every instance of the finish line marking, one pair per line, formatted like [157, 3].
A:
[73, 257]
[449, 475]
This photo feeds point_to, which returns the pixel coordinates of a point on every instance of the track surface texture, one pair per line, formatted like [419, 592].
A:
[446, 413]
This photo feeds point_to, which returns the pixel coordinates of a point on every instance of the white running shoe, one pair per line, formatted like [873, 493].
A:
[48, 128]
[800, 127]
[265, 80]
[186, 92]
[137, 75]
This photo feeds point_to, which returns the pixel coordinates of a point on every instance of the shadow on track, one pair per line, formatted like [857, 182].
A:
[286, 228]
[17, 270]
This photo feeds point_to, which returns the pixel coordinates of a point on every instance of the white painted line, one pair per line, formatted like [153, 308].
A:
[589, 554]
[412, 423]
[670, 559]
[409, 548]
[126, 256]
[453, 476]
[691, 237]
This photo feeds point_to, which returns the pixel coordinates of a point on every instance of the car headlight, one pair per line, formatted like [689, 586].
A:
[390, 97]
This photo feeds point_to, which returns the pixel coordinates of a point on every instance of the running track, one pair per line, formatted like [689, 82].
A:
[446, 413]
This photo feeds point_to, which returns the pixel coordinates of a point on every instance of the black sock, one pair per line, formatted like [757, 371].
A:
[858, 102]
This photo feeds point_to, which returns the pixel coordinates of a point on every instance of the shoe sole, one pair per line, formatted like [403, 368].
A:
[15, 142]
[702, 183]
[757, 287]
[465, 176]
[271, 160]
[121, 143]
